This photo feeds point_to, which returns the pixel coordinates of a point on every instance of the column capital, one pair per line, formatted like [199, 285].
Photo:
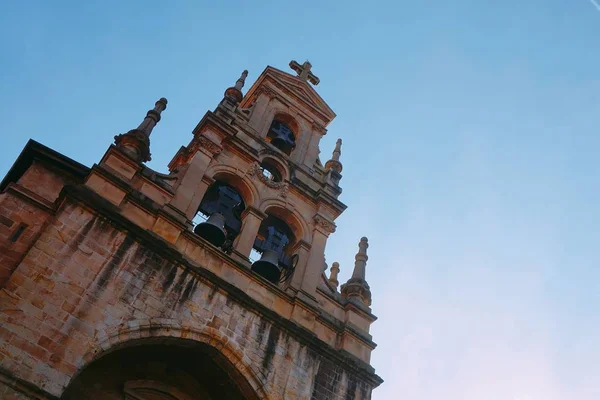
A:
[253, 211]
[324, 225]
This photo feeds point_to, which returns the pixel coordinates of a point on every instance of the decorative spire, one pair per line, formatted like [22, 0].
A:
[304, 72]
[360, 260]
[333, 277]
[235, 92]
[357, 287]
[136, 142]
[152, 117]
[335, 163]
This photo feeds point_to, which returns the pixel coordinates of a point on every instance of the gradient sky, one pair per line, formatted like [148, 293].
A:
[471, 135]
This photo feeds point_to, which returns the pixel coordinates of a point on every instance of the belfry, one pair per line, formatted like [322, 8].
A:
[204, 282]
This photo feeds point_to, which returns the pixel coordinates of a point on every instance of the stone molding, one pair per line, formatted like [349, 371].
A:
[136, 144]
[255, 171]
[319, 128]
[324, 224]
[269, 92]
[202, 142]
[358, 289]
[255, 211]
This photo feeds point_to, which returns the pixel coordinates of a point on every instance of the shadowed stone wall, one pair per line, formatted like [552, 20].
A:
[88, 286]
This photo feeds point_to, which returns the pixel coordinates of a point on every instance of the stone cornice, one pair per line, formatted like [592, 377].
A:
[36, 151]
[284, 82]
[212, 120]
[29, 196]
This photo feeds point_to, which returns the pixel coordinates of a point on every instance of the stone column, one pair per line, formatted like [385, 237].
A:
[197, 197]
[316, 259]
[192, 187]
[251, 220]
[303, 251]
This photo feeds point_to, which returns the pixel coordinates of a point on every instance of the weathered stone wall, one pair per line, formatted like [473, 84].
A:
[88, 286]
[20, 223]
[9, 393]
[21, 216]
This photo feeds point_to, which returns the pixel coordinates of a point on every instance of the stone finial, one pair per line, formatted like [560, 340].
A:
[235, 92]
[304, 72]
[357, 287]
[153, 117]
[333, 277]
[335, 163]
[136, 142]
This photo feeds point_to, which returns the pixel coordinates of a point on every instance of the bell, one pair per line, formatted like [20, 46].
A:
[282, 142]
[268, 266]
[213, 229]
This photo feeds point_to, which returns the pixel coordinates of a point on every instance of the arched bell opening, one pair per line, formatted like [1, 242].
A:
[219, 216]
[283, 133]
[274, 243]
[183, 370]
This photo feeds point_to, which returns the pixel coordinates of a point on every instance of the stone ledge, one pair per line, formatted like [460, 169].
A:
[29, 196]
[23, 387]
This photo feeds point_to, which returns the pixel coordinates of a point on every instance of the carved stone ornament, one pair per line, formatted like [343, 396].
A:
[135, 143]
[255, 171]
[357, 289]
[324, 224]
[205, 143]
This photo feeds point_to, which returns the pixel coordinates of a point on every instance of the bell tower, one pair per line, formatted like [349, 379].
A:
[258, 156]
[215, 270]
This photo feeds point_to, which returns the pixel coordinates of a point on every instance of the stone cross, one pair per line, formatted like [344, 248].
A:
[304, 73]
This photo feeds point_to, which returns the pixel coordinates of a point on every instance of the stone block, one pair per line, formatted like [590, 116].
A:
[166, 229]
[105, 188]
[125, 167]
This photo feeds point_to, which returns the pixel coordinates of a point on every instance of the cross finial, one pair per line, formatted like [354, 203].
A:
[304, 72]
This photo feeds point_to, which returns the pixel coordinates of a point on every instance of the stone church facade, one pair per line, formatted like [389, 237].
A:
[207, 282]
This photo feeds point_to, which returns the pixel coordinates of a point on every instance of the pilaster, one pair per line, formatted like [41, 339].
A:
[251, 220]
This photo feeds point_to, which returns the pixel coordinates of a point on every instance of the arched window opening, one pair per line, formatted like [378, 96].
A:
[281, 136]
[273, 243]
[270, 171]
[223, 206]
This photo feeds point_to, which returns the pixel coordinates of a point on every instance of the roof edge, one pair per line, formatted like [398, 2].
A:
[34, 150]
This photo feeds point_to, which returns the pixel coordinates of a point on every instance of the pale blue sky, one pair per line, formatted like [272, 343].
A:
[471, 137]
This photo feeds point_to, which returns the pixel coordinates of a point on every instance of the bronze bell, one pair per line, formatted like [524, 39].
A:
[213, 229]
[268, 266]
[283, 142]
[283, 137]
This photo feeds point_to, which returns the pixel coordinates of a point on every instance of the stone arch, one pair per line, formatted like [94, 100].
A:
[170, 331]
[287, 119]
[274, 110]
[238, 180]
[287, 213]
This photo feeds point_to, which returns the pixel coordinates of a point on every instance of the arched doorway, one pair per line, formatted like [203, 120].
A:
[184, 370]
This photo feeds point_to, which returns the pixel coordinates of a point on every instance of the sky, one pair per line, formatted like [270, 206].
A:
[471, 132]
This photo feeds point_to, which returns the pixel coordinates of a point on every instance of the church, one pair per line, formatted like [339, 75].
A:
[208, 282]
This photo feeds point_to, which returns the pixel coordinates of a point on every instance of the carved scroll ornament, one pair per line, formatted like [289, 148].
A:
[324, 224]
[255, 171]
